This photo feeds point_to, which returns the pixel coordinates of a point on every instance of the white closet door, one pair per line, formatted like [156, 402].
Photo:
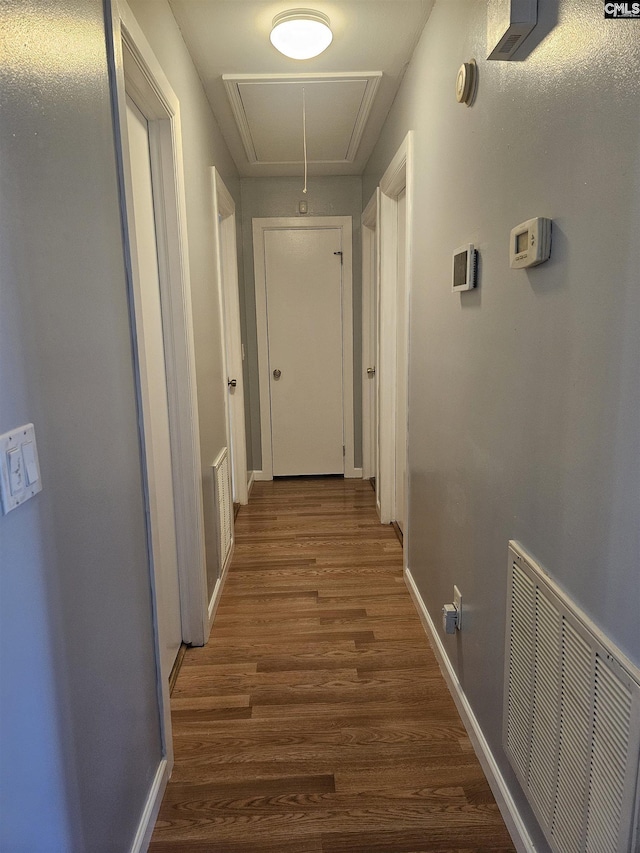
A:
[304, 318]
[153, 385]
[401, 366]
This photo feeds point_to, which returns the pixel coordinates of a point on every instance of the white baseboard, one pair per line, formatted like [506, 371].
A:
[499, 788]
[260, 476]
[151, 809]
[250, 481]
[353, 474]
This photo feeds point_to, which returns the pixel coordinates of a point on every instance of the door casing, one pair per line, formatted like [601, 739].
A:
[134, 68]
[260, 226]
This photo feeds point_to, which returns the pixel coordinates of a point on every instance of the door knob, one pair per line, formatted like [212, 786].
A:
[232, 383]
[277, 373]
[371, 371]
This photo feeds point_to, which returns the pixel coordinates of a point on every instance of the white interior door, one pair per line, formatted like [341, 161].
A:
[227, 264]
[153, 388]
[233, 348]
[401, 367]
[303, 272]
[370, 248]
[372, 369]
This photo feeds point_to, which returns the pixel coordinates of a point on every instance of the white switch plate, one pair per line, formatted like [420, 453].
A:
[457, 601]
[19, 467]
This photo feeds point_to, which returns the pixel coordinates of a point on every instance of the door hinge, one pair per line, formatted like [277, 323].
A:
[339, 253]
[343, 450]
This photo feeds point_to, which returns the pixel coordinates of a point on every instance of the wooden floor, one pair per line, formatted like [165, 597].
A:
[316, 719]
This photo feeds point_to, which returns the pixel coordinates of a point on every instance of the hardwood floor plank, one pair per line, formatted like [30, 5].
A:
[273, 844]
[270, 610]
[202, 683]
[316, 719]
[207, 702]
[195, 820]
[209, 715]
[412, 841]
[362, 659]
[391, 706]
[364, 733]
[366, 771]
[258, 789]
[456, 770]
[248, 651]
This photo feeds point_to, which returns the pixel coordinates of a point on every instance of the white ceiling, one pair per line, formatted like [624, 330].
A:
[231, 37]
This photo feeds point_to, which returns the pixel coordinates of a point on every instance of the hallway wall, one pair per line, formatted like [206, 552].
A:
[524, 403]
[262, 197]
[79, 732]
[203, 147]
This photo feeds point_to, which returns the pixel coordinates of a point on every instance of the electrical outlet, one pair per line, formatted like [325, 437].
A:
[457, 601]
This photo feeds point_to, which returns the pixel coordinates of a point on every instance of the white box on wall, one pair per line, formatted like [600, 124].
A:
[509, 22]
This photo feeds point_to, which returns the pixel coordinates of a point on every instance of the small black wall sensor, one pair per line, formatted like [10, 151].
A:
[464, 267]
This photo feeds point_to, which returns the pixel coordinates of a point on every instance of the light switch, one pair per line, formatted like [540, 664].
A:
[30, 463]
[19, 468]
[16, 473]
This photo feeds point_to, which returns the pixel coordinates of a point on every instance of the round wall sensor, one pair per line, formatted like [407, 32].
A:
[466, 82]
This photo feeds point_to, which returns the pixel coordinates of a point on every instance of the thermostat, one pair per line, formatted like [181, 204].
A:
[464, 268]
[530, 243]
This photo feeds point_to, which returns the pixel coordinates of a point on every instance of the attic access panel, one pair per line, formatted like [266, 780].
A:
[268, 112]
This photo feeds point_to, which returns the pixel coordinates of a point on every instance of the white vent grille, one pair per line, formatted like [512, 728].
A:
[223, 504]
[508, 47]
[572, 717]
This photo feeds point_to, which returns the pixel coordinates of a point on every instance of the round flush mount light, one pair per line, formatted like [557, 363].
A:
[301, 33]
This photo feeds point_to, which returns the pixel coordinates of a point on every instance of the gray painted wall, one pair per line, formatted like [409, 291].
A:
[262, 197]
[203, 147]
[79, 730]
[524, 397]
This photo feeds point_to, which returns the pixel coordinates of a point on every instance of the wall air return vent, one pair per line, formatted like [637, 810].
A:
[510, 22]
[572, 717]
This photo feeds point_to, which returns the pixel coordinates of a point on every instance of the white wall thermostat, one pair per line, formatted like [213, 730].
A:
[530, 243]
[464, 267]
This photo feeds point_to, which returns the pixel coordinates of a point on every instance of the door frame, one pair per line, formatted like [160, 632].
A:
[226, 267]
[260, 227]
[397, 177]
[370, 279]
[134, 69]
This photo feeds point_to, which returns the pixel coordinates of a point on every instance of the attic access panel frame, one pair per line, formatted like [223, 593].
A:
[234, 84]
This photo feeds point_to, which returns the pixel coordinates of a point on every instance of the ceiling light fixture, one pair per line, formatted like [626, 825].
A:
[301, 33]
